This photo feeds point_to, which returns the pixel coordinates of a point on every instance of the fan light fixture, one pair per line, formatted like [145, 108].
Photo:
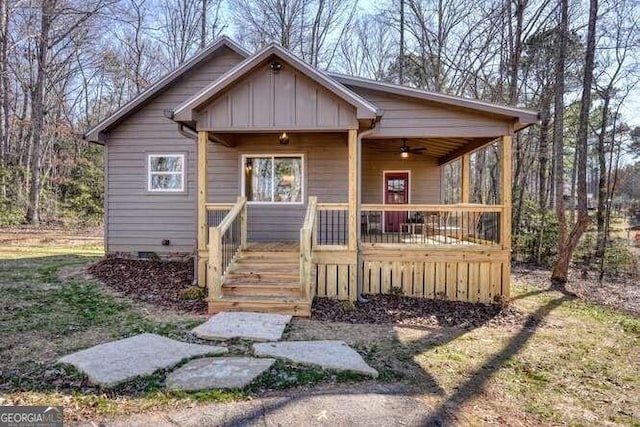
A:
[283, 139]
[404, 150]
[248, 166]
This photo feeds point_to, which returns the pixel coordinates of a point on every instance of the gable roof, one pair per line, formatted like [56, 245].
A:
[94, 134]
[339, 84]
[364, 108]
[523, 117]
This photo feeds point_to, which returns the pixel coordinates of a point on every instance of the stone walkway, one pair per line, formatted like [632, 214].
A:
[114, 362]
[335, 355]
[219, 372]
[250, 326]
[117, 361]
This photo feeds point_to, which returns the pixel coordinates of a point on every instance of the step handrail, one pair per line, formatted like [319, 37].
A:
[306, 248]
[224, 246]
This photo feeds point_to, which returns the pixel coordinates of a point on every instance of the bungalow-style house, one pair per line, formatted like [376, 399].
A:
[288, 182]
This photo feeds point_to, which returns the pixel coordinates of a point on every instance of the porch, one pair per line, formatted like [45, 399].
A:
[454, 251]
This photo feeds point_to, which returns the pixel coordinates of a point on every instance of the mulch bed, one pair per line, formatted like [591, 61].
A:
[156, 282]
[407, 311]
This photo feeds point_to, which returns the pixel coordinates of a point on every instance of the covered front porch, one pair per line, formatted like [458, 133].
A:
[378, 226]
[352, 171]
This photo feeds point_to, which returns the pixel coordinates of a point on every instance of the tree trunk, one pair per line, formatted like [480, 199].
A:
[543, 161]
[567, 244]
[603, 193]
[516, 53]
[37, 108]
[4, 87]
[401, 65]
[543, 174]
[561, 267]
[203, 25]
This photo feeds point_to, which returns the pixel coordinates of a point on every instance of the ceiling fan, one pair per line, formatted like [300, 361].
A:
[405, 150]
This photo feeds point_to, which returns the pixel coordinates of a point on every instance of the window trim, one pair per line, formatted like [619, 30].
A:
[243, 176]
[182, 173]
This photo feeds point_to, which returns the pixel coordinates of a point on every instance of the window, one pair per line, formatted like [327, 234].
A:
[273, 179]
[166, 172]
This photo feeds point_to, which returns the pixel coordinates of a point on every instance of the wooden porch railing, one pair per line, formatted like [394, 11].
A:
[225, 240]
[332, 226]
[307, 233]
[425, 225]
[216, 212]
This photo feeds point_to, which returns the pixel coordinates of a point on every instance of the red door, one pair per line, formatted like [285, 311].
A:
[396, 192]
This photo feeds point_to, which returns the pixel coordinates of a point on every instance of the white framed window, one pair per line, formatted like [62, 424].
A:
[273, 178]
[165, 173]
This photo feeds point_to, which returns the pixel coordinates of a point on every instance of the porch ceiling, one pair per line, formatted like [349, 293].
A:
[444, 149]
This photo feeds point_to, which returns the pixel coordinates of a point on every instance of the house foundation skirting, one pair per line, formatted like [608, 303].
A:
[478, 276]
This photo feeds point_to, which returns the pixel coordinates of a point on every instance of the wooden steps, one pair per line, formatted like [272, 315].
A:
[264, 278]
[299, 308]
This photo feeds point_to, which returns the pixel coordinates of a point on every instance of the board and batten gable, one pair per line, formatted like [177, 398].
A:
[325, 176]
[283, 100]
[137, 220]
[405, 117]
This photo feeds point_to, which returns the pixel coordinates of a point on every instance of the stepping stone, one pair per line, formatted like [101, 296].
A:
[252, 326]
[113, 362]
[335, 355]
[219, 372]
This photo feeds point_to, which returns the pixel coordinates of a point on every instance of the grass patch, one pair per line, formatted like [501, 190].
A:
[590, 311]
[44, 317]
[577, 366]
[283, 375]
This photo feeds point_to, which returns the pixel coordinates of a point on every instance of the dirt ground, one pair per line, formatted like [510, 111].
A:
[621, 294]
[51, 236]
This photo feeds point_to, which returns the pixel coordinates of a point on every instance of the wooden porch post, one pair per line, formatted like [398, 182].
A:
[465, 191]
[505, 219]
[353, 189]
[354, 211]
[202, 154]
[466, 177]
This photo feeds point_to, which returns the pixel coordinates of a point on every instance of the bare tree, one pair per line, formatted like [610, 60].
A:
[59, 22]
[370, 49]
[180, 29]
[568, 241]
[4, 86]
[311, 29]
[617, 69]
[265, 21]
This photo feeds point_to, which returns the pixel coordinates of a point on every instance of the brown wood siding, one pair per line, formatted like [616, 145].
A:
[404, 117]
[325, 169]
[424, 174]
[284, 100]
[135, 219]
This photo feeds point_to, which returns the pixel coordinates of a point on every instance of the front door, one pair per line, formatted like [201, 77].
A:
[396, 192]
